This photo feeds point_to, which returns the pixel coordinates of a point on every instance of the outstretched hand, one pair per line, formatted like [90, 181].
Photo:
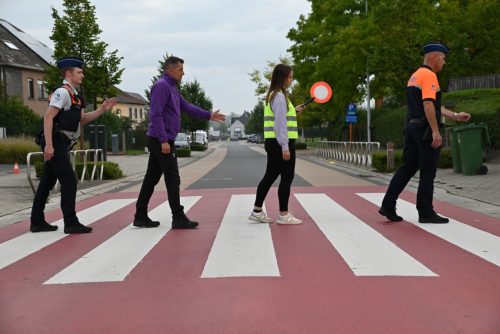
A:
[108, 104]
[217, 116]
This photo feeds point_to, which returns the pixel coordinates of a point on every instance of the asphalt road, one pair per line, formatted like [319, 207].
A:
[242, 167]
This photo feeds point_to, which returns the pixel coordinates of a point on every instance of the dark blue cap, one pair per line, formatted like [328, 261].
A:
[70, 62]
[435, 47]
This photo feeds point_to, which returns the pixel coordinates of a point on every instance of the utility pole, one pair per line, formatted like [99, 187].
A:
[368, 116]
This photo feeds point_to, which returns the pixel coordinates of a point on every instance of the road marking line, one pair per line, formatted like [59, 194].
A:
[365, 250]
[115, 258]
[15, 249]
[242, 248]
[478, 242]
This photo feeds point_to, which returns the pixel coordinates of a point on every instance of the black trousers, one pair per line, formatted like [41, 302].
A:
[57, 168]
[158, 164]
[276, 166]
[418, 154]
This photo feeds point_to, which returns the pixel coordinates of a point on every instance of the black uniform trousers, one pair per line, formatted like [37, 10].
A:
[276, 166]
[418, 154]
[158, 164]
[57, 168]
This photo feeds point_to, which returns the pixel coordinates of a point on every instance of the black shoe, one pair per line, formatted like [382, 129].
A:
[183, 222]
[43, 227]
[145, 222]
[433, 219]
[77, 228]
[390, 214]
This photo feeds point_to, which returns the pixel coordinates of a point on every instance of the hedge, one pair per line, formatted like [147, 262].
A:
[183, 152]
[16, 149]
[112, 170]
[300, 146]
[379, 160]
[198, 147]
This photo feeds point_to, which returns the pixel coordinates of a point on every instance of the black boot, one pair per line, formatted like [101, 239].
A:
[181, 221]
[434, 218]
[390, 214]
[145, 221]
[76, 228]
[42, 227]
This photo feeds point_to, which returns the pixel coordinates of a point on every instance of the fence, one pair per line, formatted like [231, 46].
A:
[480, 81]
[358, 153]
[98, 158]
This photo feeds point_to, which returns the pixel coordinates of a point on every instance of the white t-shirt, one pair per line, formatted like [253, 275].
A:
[61, 99]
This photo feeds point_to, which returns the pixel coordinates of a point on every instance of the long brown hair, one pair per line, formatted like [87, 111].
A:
[278, 82]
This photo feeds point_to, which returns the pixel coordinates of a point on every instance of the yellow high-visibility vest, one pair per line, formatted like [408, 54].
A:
[291, 122]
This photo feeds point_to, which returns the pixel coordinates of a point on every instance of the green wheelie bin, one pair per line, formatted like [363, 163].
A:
[470, 139]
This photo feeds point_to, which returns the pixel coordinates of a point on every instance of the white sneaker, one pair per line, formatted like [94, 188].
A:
[288, 219]
[260, 217]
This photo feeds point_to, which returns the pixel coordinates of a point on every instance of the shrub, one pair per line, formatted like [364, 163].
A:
[198, 147]
[16, 149]
[112, 170]
[379, 161]
[300, 146]
[183, 152]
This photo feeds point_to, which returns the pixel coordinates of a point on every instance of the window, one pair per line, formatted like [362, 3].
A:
[31, 89]
[42, 91]
[10, 45]
[130, 113]
[140, 113]
[118, 112]
[135, 113]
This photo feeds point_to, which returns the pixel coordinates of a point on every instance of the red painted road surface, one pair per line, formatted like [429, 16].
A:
[315, 293]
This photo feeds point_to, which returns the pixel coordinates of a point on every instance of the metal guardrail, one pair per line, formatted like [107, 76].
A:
[98, 158]
[358, 153]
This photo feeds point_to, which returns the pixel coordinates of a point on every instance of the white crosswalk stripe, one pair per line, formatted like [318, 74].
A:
[364, 250]
[15, 249]
[473, 240]
[242, 248]
[115, 258]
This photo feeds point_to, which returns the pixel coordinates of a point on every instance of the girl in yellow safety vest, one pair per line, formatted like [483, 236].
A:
[280, 133]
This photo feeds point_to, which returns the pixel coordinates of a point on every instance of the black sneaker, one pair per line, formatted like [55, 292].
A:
[390, 214]
[183, 222]
[77, 228]
[145, 222]
[433, 219]
[42, 227]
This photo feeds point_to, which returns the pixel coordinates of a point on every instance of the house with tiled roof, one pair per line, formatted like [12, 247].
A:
[131, 105]
[23, 61]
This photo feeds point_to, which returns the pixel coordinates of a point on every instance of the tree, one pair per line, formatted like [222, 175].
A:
[160, 72]
[76, 33]
[194, 94]
[256, 122]
[18, 119]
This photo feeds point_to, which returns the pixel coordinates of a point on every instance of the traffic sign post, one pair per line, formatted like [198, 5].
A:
[351, 117]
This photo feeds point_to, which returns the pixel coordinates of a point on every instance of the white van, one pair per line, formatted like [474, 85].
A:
[200, 137]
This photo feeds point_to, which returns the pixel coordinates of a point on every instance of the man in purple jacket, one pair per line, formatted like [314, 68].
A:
[164, 124]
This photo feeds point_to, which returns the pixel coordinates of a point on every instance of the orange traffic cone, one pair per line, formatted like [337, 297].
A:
[16, 168]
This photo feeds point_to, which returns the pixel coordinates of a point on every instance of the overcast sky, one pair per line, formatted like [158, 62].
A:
[221, 41]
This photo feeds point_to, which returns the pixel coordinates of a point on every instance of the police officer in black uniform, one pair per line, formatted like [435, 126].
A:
[61, 128]
[422, 138]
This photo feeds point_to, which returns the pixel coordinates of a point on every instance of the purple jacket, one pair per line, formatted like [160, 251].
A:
[166, 106]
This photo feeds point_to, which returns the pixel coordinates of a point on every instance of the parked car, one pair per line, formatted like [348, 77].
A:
[250, 138]
[181, 140]
[258, 139]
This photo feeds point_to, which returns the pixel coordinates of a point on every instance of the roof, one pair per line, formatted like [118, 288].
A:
[31, 53]
[130, 98]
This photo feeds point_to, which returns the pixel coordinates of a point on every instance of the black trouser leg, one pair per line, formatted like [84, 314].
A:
[277, 166]
[411, 162]
[428, 167]
[158, 164]
[46, 184]
[58, 168]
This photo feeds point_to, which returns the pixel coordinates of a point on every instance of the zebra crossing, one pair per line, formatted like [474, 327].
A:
[242, 248]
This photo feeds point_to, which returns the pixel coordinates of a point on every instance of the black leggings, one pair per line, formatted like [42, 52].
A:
[276, 166]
